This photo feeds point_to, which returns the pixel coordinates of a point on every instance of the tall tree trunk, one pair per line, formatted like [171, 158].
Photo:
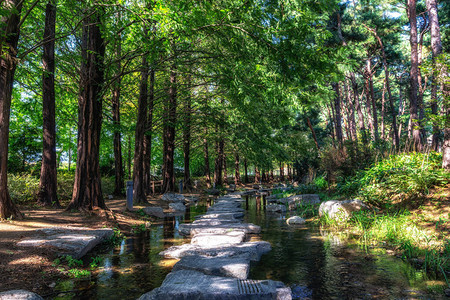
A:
[218, 168]
[372, 102]
[351, 111]
[206, 159]
[8, 61]
[281, 171]
[237, 174]
[187, 139]
[436, 48]
[257, 175]
[338, 116]
[313, 133]
[245, 171]
[48, 184]
[358, 109]
[87, 191]
[383, 110]
[148, 134]
[117, 143]
[414, 73]
[139, 189]
[225, 173]
[169, 135]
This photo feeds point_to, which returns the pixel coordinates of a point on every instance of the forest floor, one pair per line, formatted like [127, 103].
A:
[33, 268]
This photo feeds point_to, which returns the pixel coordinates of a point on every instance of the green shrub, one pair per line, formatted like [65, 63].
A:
[23, 188]
[398, 178]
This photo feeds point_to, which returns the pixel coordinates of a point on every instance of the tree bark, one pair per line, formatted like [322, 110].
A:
[281, 171]
[358, 109]
[48, 180]
[225, 173]
[148, 134]
[436, 49]
[8, 61]
[257, 175]
[237, 174]
[313, 133]
[338, 117]
[414, 73]
[139, 189]
[206, 159]
[117, 142]
[218, 168]
[169, 135]
[87, 191]
[187, 139]
[245, 171]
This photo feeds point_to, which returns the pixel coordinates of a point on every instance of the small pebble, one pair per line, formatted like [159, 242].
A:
[52, 285]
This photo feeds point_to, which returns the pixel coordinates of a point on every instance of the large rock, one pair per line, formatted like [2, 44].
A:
[177, 207]
[172, 197]
[155, 211]
[19, 295]
[236, 266]
[191, 200]
[185, 284]
[275, 208]
[208, 240]
[295, 220]
[341, 210]
[73, 241]
[253, 249]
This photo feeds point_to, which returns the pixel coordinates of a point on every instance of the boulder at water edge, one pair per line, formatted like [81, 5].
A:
[154, 211]
[341, 210]
[295, 220]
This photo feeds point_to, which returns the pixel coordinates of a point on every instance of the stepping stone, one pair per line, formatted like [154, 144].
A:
[73, 241]
[222, 215]
[236, 266]
[186, 284]
[209, 240]
[192, 229]
[155, 211]
[254, 249]
[19, 295]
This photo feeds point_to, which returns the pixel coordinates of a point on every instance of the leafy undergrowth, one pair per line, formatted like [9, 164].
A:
[401, 180]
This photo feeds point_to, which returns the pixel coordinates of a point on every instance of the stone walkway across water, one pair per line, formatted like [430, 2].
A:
[216, 264]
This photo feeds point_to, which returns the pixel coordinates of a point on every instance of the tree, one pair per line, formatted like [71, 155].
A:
[414, 73]
[8, 40]
[48, 181]
[87, 190]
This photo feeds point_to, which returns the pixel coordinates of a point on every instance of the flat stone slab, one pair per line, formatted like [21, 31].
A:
[196, 228]
[222, 215]
[19, 295]
[253, 249]
[182, 285]
[154, 211]
[73, 241]
[209, 240]
[237, 266]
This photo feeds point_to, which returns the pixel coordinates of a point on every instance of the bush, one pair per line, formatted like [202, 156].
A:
[398, 178]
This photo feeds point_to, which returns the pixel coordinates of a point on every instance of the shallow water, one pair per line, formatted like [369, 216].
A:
[316, 264]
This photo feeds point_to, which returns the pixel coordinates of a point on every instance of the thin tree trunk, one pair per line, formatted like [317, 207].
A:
[414, 73]
[436, 48]
[218, 168]
[206, 159]
[383, 100]
[187, 139]
[87, 191]
[117, 143]
[257, 175]
[245, 171]
[48, 180]
[338, 117]
[281, 171]
[361, 125]
[225, 174]
[169, 135]
[139, 189]
[372, 102]
[237, 174]
[8, 40]
[313, 133]
[148, 134]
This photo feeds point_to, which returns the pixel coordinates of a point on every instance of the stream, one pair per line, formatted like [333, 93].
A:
[316, 264]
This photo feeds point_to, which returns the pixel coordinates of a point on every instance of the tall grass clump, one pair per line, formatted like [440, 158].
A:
[400, 178]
